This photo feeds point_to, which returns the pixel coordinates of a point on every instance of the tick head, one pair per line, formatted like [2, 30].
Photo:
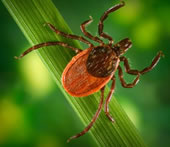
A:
[122, 46]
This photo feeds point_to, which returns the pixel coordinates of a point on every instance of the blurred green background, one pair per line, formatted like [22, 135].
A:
[33, 112]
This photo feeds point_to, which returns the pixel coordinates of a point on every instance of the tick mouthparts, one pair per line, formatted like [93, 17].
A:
[125, 43]
[129, 43]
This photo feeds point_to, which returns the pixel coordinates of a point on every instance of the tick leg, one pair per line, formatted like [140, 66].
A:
[80, 38]
[124, 84]
[145, 70]
[48, 44]
[93, 119]
[153, 64]
[104, 16]
[87, 34]
[109, 98]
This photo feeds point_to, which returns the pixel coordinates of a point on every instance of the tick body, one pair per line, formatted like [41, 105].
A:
[78, 77]
[91, 69]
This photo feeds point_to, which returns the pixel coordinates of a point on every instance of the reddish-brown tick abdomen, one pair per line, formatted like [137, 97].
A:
[77, 81]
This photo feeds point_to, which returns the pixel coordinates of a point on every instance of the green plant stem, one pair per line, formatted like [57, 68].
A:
[30, 15]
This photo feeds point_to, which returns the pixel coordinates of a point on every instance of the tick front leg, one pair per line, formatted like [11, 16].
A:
[109, 98]
[80, 38]
[145, 70]
[153, 64]
[93, 119]
[47, 44]
[124, 84]
[87, 34]
[104, 16]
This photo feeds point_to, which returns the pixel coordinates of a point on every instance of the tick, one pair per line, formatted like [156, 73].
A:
[91, 69]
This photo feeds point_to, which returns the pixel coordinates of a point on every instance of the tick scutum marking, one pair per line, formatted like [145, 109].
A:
[101, 61]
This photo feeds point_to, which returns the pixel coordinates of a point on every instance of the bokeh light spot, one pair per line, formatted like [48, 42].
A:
[146, 33]
[10, 118]
[48, 141]
[36, 76]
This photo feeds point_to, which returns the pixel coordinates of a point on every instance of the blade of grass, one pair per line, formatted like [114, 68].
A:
[30, 16]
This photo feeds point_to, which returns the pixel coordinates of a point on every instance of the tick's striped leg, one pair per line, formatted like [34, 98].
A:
[145, 70]
[153, 64]
[87, 34]
[48, 44]
[93, 119]
[136, 72]
[109, 98]
[124, 84]
[80, 38]
[104, 16]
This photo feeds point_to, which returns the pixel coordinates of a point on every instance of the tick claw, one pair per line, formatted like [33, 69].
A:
[15, 57]
[91, 18]
[110, 118]
[161, 54]
[45, 24]
[68, 140]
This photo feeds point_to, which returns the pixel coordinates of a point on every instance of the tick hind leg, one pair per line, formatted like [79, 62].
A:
[136, 72]
[93, 119]
[80, 38]
[106, 108]
[104, 16]
[87, 34]
[77, 50]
